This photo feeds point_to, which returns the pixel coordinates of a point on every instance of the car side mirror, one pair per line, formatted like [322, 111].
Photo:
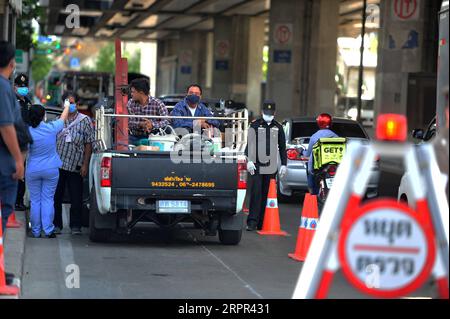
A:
[418, 134]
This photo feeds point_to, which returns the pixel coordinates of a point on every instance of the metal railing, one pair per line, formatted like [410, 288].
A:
[237, 138]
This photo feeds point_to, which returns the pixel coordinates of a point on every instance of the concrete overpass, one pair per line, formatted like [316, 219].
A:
[219, 44]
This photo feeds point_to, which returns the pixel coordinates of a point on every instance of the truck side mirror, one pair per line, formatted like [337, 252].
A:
[418, 134]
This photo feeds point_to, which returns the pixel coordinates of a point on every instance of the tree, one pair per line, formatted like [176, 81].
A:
[106, 60]
[24, 32]
[41, 65]
[134, 62]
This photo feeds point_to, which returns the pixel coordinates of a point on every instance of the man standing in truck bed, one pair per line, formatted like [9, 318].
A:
[142, 103]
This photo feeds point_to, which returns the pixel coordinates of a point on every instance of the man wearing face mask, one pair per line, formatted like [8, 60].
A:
[11, 159]
[22, 92]
[262, 170]
[191, 106]
[74, 146]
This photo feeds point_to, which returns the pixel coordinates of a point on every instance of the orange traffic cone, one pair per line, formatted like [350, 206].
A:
[5, 289]
[13, 222]
[307, 228]
[271, 224]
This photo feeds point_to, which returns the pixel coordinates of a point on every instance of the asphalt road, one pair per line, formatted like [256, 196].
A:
[178, 265]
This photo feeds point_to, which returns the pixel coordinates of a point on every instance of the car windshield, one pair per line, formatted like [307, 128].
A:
[304, 129]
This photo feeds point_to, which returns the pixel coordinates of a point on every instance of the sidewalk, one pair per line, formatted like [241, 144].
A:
[15, 250]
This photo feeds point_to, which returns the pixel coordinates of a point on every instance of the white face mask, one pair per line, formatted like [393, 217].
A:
[268, 118]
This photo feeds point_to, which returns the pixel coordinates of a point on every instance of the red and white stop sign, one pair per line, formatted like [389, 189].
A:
[386, 250]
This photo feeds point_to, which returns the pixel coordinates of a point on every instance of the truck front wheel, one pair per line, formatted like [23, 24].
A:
[230, 237]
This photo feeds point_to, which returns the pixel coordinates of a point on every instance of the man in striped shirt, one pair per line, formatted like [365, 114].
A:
[143, 104]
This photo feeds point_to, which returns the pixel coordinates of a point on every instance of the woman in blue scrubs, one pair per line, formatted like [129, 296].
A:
[42, 172]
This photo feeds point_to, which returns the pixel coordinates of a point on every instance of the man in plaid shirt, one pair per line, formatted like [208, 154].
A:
[143, 104]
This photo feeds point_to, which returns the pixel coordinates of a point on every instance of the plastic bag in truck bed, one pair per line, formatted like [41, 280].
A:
[194, 142]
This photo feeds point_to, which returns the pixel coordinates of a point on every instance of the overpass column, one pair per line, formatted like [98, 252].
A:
[192, 52]
[230, 58]
[238, 59]
[302, 62]
[406, 72]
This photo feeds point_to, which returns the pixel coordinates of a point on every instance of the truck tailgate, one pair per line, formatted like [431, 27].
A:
[159, 172]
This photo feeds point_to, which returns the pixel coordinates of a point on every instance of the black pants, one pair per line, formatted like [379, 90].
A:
[258, 198]
[75, 183]
[20, 192]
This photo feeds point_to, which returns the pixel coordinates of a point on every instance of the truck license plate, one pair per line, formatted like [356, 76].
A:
[329, 182]
[173, 207]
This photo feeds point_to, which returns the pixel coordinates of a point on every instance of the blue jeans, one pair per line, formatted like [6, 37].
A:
[42, 187]
[8, 193]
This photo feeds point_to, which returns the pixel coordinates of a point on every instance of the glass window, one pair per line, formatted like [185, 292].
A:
[341, 129]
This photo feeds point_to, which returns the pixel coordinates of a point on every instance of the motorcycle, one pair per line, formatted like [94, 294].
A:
[324, 179]
[328, 153]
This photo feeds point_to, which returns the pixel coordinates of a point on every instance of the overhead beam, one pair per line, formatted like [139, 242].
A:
[117, 4]
[153, 9]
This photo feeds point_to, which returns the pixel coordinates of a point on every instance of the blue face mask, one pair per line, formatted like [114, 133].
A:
[23, 91]
[72, 108]
[193, 99]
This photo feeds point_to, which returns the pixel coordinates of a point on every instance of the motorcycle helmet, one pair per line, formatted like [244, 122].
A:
[324, 121]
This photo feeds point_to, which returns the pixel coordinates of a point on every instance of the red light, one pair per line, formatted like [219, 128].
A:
[105, 172]
[242, 175]
[292, 154]
[392, 127]
[332, 170]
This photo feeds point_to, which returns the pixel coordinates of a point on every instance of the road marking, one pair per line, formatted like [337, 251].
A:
[246, 284]
[65, 252]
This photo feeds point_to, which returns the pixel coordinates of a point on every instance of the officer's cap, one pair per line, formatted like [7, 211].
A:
[269, 107]
[21, 80]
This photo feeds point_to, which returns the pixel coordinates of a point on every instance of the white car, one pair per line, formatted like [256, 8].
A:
[405, 188]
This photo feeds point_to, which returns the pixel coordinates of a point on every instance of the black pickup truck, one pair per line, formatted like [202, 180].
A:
[206, 191]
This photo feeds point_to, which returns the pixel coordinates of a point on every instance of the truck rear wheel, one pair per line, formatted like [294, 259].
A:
[95, 234]
[230, 237]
